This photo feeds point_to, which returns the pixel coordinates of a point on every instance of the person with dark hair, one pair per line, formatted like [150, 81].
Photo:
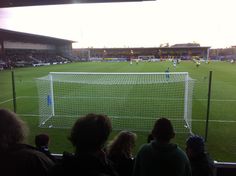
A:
[120, 152]
[18, 158]
[88, 135]
[149, 138]
[160, 157]
[201, 163]
[42, 142]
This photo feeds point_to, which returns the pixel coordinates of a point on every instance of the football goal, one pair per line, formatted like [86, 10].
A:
[133, 101]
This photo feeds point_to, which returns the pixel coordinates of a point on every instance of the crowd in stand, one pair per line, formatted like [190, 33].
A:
[94, 156]
[30, 58]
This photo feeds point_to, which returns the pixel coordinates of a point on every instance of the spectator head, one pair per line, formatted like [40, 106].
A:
[122, 144]
[150, 138]
[41, 140]
[163, 130]
[90, 132]
[195, 145]
[12, 129]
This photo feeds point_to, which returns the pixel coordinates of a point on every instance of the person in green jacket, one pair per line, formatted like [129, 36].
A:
[160, 157]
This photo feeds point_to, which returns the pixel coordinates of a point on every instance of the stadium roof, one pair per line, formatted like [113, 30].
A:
[17, 3]
[8, 35]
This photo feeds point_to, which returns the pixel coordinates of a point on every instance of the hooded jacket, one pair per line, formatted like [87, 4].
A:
[158, 159]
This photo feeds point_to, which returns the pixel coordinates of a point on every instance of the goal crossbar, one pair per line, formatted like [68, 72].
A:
[118, 73]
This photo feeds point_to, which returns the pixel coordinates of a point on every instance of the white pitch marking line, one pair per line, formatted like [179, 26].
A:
[220, 121]
[196, 120]
[8, 100]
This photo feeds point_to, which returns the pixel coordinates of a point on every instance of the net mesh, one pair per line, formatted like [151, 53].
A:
[133, 101]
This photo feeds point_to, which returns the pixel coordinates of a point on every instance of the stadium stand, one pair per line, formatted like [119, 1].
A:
[22, 49]
[144, 54]
[223, 54]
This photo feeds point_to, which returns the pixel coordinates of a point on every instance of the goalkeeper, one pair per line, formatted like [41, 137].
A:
[167, 74]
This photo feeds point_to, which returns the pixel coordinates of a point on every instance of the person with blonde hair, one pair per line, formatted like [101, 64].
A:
[120, 152]
[17, 157]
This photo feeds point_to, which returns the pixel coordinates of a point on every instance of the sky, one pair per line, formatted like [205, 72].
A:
[133, 24]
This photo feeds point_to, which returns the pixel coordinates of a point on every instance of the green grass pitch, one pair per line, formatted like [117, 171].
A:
[221, 142]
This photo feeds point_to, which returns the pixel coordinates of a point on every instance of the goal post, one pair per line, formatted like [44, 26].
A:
[133, 101]
[50, 97]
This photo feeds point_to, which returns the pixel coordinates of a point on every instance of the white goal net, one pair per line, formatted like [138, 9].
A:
[133, 101]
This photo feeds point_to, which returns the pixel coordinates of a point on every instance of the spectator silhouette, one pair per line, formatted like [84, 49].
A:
[150, 138]
[201, 163]
[42, 142]
[88, 136]
[160, 157]
[18, 158]
[120, 152]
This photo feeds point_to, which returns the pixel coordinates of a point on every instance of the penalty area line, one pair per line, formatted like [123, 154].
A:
[11, 99]
[7, 101]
